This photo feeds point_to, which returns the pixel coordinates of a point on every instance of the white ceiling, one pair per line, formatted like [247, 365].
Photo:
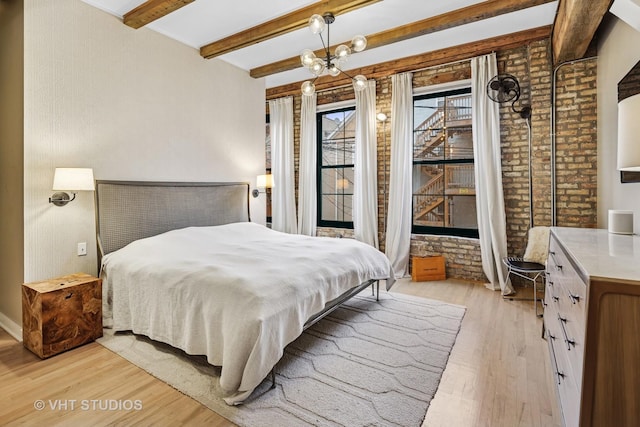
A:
[205, 21]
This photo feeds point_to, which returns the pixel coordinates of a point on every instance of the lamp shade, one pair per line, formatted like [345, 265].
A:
[264, 181]
[629, 134]
[73, 179]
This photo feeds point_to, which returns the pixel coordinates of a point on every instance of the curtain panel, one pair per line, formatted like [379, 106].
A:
[365, 197]
[283, 206]
[307, 191]
[398, 233]
[492, 227]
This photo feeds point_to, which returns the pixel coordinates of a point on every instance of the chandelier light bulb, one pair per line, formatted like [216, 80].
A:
[343, 52]
[359, 82]
[317, 67]
[316, 24]
[306, 57]
[333, 68]
[358, 43]
[308, 88]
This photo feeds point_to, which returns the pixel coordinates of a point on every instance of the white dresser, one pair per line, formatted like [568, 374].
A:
[592, 325]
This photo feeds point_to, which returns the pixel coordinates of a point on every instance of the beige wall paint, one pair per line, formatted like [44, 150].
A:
[132, 105]
[11, 170]
[617, 53]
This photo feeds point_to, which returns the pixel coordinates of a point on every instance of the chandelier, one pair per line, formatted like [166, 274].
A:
[328, 63]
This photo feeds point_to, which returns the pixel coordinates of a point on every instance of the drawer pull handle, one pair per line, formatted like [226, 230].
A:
[553, 257]
[559, 374]
[568, 341]
[574, 298]
[69, 296]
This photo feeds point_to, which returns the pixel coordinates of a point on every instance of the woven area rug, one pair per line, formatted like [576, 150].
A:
[367, 364]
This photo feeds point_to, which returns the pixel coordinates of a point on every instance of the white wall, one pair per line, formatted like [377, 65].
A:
[618, 52]
[132, 105]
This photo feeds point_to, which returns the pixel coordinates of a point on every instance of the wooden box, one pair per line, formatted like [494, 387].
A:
[428, 268]
[60, 314]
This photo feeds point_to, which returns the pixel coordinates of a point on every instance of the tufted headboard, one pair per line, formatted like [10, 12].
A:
[132, 210]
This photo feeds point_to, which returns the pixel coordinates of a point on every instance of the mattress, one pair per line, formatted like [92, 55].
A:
[237, 293]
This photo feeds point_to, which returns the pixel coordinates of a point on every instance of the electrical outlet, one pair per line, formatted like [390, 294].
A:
[82, 249]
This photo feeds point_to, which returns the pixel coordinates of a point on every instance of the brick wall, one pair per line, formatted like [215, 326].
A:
[576, 145]
[576, 152]
[462, 255]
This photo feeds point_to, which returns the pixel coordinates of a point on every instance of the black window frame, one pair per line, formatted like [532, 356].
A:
[441, 231]
[319, 168]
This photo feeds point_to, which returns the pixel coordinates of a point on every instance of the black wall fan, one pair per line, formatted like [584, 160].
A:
[505, 88]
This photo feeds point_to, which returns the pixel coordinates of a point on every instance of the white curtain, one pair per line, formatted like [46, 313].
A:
[488, 174]
[398, 240]
[307, 215]
[365, 197]
[283, 206]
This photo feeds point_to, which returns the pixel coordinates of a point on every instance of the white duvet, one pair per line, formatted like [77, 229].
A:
[237, 293]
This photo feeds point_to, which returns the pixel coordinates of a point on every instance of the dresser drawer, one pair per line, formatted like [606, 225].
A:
[552, 293]
[567, 283]
[566, 382]
[571, 335]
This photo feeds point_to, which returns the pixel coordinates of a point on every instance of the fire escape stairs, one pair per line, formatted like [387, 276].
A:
[426, 210]
[432, 131]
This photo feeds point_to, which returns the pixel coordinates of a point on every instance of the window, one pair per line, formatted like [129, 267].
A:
[444, 200]
[336, 143]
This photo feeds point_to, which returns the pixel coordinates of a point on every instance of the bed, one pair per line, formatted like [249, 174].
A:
[182, 264]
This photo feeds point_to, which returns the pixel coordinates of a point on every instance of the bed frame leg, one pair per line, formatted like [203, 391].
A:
[273, 379]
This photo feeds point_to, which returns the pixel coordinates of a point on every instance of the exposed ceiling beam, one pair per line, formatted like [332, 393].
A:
[425, 60]
[465, 15]
[279, 26]
[575, 25]
[151, 10]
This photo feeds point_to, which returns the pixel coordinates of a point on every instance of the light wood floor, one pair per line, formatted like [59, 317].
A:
[498, 375]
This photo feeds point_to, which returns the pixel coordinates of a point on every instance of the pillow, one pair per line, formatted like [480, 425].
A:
[537, 245]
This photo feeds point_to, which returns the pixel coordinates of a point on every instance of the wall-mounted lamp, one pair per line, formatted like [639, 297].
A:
[629, 134]
[71, 180]
[262, 183]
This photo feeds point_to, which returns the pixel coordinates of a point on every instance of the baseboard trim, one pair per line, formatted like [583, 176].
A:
[11, 327]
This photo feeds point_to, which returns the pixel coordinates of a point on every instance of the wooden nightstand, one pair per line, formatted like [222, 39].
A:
[60, 314]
